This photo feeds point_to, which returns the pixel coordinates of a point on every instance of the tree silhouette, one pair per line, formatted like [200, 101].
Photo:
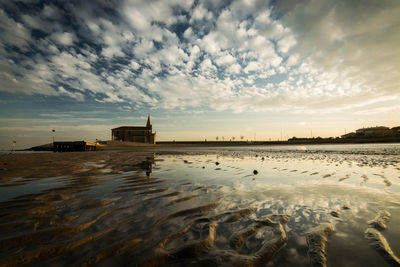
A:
[216, 138]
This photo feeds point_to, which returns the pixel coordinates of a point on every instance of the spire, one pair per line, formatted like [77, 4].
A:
[148, 124]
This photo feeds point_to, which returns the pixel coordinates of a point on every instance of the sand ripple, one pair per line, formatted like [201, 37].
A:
[317, 239]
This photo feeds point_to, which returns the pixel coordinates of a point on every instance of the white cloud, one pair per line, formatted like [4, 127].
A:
[134, 65]
[207, 66]
[286, 43]
[141, 14]
[142, 48]
[188, 34]
[252, 66]
[234, 69]
[65, 38]
[200, 13]
[210, 43]
[226, 59]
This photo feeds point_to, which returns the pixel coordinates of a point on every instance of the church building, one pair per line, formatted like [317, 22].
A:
[140, 134]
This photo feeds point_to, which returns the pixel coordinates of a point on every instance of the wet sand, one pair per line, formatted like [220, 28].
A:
[200, 207]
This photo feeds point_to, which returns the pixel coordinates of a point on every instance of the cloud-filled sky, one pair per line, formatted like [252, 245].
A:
[262, 69]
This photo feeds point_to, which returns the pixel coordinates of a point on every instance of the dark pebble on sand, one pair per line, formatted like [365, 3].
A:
[255, 172]
[203, 167]
[335, 213]
[217, 163]
[345, 207]
[185, 161]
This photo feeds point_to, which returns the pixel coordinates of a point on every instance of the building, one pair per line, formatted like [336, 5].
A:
[75, 146]
[348, 135]
[139, 134]
[374, 131]
[395, 131]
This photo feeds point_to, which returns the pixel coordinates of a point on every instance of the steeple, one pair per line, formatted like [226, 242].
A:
[148, 124]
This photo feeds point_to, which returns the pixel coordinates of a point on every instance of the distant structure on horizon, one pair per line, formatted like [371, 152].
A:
[139, 134]
[378, 131]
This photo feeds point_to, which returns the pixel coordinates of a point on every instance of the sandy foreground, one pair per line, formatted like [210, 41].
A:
[224, 208]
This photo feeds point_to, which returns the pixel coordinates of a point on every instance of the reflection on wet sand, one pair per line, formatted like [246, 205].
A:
[127, 208]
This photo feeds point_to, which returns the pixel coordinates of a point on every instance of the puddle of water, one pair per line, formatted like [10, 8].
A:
[20, 186]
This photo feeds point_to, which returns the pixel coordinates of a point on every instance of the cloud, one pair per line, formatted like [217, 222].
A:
[200, 13]
[252, 66]
[286, 43]
[226, 59]
[234, 69]
[13, 33]
[239, 56]
[78, 96]
[355, 40]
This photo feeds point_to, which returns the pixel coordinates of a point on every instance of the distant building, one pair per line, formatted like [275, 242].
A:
[140, 134]
[374, 131]
[75, 146]
[348, 135]
[395, 131]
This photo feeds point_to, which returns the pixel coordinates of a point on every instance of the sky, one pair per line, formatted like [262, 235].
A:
[264, 70]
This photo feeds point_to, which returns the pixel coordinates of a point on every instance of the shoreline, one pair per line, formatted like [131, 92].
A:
[161, 144]
[291, 142]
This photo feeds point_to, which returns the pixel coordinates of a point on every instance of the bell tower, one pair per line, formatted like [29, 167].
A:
[148, 124]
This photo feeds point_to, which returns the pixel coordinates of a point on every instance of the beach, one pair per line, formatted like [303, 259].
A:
[317, 205]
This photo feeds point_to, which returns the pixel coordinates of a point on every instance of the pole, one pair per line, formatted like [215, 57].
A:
[13, 146]
[53, 131]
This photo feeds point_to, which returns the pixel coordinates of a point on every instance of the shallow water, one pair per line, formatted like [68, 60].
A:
[209, 207]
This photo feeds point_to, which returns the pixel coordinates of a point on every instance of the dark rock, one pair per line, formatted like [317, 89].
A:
[335, 213]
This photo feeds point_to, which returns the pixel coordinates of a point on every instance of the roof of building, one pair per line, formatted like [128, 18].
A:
[349, 134]
[373, 128]
[131, 128]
